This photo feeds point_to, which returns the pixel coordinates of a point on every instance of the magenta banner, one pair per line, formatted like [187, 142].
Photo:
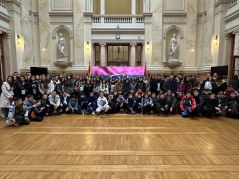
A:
[118, 70]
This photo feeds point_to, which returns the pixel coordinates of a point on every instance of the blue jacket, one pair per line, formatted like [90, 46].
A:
[172, 85]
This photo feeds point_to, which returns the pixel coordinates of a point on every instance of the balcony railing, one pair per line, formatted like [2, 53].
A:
[3, 3]
[118, 19]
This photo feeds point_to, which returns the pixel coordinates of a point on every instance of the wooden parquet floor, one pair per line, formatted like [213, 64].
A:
[120, 146]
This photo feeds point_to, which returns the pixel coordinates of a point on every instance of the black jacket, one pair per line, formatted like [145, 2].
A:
[140, 85]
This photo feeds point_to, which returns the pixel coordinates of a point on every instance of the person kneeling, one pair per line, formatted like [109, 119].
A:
[210, 106]
[162, 104]
[130, 103]
[102, 104]
[82, 104]
[121, 102]
[146, 104]
[233, 106]
[38, 112]
[92, 99]
[72, 106]
[188, 104]
[18, 114]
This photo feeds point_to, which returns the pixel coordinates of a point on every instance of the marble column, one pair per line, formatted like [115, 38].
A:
[6, 56]
[236, 44]
[132, 54]
[102, 7]
[133, 7]
[229, 55]
[142, 55]
[103, 60]
[92, 55]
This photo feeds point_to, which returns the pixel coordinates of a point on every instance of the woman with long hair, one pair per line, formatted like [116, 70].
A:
[186, 85]
[34, 88]
[7, 95]
[23, 88]
[44, 86]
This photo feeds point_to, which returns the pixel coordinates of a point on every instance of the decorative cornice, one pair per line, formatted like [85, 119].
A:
[232, 16]
[60, 13]
[220, 2]
[4, 30]
[5, 17]
[232, 30]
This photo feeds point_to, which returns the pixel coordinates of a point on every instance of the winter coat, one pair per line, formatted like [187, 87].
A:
[5, 95]
[188, 103]
[55, 100]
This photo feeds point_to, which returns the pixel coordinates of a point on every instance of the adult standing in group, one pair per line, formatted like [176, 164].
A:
[171, 84]
[7, 95]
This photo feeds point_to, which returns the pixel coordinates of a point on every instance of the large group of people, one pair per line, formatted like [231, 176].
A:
[32, 98]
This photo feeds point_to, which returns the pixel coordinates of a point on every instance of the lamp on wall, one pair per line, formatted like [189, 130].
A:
[19, 40]
[147, 46]
[215, 40]
[87, 45]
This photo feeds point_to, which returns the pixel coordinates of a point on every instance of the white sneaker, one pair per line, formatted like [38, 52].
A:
[93, 113]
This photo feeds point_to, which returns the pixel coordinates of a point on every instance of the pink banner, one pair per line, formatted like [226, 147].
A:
[118, 70]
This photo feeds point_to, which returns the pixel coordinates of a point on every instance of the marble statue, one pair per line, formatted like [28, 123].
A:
[61, 45]
[173, 47]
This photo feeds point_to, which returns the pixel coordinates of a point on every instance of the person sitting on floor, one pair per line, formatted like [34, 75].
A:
[112, 104]
[162, 105]
[46, 103]
[102, 104]
[72, 105]
[154, 103]
[18, 114]
[171, 101]
[38, 112]
[82, 104]
[130, 104]
[55, 102]
[179, 99]
[121, 102]
[146, 104]
[138, 100]
[199, 103]
[92, 100]
[65, 99]
[222, 101]
[188, 104]
[29, 102]
[210, 106]
[233, 106]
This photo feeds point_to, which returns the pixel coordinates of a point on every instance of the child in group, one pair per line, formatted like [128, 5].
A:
[18, 113]
[222, 101]
[229, 91]
[210, 106]
[179, 100]
[72, 105]
[65, 99]
[138, 101]
[121, 102]
[115, 95]
[146, 104]
[233, 106]
[188, 104]
[171, 101]
[92, 100]
[82, 104]
[139, 92]
[112, 104]
[55, 102]
[130, 104]
[102, 104]
[199, 103]
[154, 103]
[163, 104]
[46, 104]
[29, 102]
[38, 112]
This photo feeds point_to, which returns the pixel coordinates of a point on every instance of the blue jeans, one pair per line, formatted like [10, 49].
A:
[5, 111]
[93, 105]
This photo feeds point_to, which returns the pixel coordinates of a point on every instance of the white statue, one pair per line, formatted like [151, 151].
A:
[173, 47]
[61, 45]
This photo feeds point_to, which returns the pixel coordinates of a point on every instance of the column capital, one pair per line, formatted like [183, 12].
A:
[102, 44]
[133, 44]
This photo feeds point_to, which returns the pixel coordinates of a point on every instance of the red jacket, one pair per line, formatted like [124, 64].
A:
[228, 93]
[188, 103]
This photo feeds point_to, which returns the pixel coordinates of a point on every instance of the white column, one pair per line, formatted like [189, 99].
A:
[236, 44]
[92, 55]
[132, 54]
[102, 54]
[102, 6]
[133, 7]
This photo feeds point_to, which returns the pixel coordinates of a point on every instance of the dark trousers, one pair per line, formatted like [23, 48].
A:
[137, 108]
[146, 109]
[164, 107]
[21, 118]
[208, 111]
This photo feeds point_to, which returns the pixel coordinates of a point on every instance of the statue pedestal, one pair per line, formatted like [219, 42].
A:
[172, 63]
[63, 62]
